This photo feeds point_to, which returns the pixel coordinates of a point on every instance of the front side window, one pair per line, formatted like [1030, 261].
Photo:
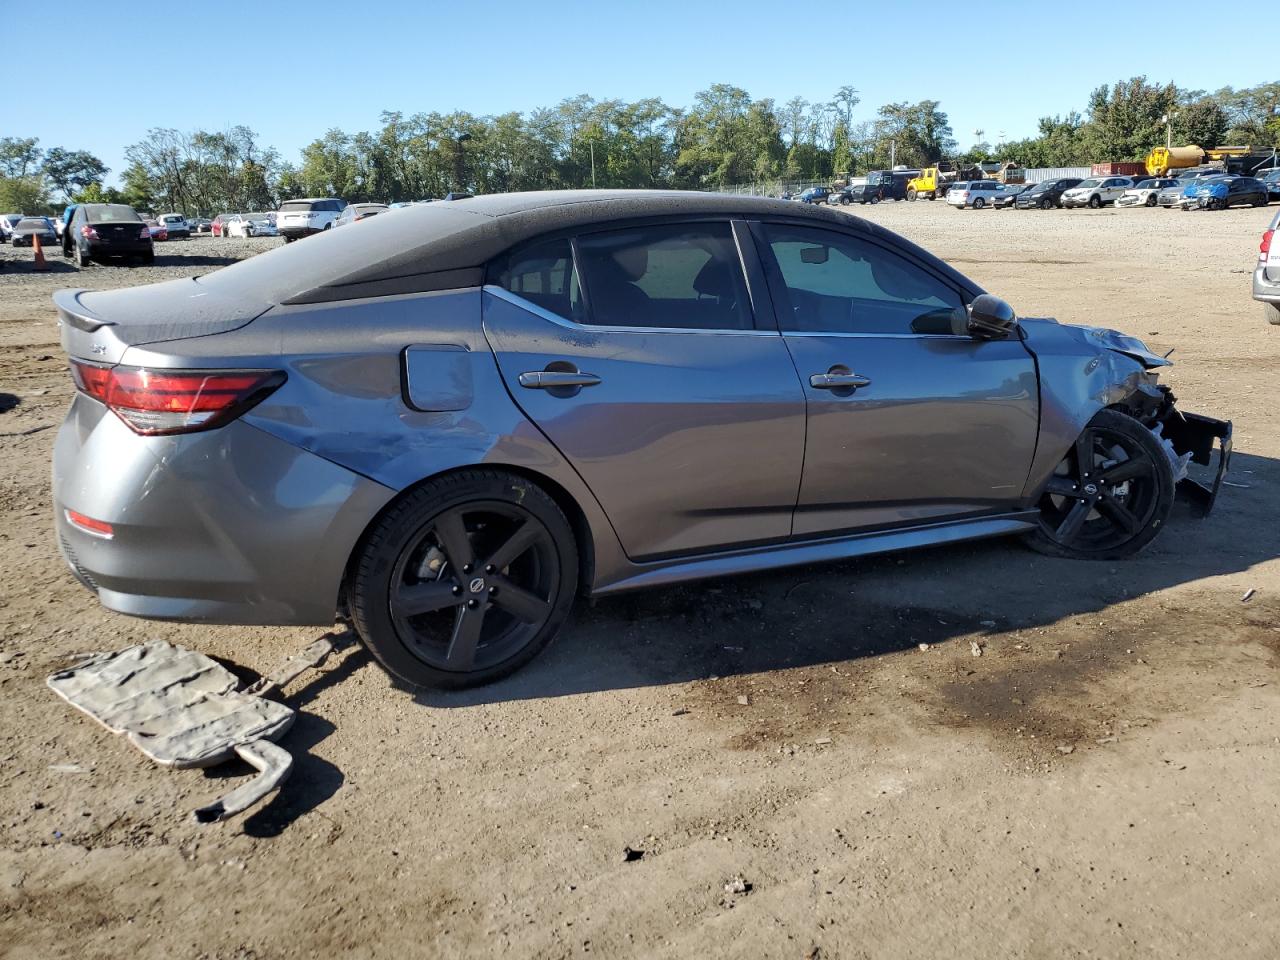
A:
[840, 284]
[685, 276]
[544, 275]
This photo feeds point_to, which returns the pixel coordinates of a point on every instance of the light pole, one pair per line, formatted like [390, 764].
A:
[1168, 130]
[591, 145]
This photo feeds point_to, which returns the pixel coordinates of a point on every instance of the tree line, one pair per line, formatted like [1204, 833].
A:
[725, 137]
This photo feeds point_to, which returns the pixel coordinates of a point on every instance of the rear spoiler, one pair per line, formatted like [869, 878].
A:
[73, 312]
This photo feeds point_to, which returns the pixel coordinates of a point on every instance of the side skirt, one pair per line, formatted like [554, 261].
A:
[666, 572]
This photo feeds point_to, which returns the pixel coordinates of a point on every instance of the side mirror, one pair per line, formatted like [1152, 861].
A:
[990, 318]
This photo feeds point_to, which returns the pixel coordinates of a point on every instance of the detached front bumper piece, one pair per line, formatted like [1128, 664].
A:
[1194, 434]
[184, 709]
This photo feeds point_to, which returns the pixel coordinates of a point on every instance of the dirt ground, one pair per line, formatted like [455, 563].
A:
[1100, 782]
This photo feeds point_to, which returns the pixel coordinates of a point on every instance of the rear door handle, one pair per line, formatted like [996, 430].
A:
[551, 379]
[838, 381]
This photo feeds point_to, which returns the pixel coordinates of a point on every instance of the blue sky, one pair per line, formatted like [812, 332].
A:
[291, 70]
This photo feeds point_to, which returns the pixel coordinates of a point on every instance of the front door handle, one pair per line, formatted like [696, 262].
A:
[838, 381]
[551, 379]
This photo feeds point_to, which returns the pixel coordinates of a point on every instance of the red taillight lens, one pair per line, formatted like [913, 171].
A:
[145, 234]
[88, 232]
[99, 528]
[156, 402]
[1264, 248]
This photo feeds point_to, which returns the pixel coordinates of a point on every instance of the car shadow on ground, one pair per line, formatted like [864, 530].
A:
[865, 608]
[8, 401]
[313, 779]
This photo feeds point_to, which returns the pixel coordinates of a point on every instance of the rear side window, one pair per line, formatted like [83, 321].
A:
[111, 213]
[686, 276]
[544, 275]
[834, 283]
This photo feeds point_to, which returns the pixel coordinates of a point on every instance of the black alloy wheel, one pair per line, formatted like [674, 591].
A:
[465, 579]
[1110, 495]
[1046, 204]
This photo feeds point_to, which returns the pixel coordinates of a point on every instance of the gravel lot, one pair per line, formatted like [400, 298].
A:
[1100, 782]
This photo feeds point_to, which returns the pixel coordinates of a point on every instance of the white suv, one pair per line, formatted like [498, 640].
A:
[973, 193]
[1096, 191]
[301, 218]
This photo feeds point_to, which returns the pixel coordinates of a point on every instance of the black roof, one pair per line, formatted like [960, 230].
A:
[440, 246]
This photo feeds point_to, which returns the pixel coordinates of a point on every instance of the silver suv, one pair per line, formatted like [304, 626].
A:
[1096, 192]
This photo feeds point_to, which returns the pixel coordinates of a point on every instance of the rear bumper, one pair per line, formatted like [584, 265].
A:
[133, 248]
[1267, 291]
[228, 526]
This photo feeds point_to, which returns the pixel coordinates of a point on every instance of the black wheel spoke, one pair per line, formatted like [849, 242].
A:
[415, 599]
[520, 603]
[1127, 470]
[1084, 453]
[525, 536]
[1062, 486]
[1073, 523]
[1119, 515]
[452, 534]
[461, 654]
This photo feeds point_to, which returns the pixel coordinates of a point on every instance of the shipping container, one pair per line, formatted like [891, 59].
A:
[1123, 169]
[1041, 174]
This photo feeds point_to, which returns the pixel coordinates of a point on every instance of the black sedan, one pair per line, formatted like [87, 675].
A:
[101, 231]
[1046, 194]
[26, 229]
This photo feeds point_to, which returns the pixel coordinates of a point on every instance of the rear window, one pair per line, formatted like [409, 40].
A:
[111, 213]
[172, 218]
[302, 206]
[40, 223]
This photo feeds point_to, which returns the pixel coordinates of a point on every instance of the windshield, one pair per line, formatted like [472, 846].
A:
[111, 213]
[1090, 183]
[1271, 177]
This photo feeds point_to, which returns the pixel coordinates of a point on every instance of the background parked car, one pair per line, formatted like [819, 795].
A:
[7, 222]
[200, 225]
[1219, 193]
[815, 195]
[1272, 180]
[1096, 192]
[973, 193]
[100, 231]
[1046, 194]
[1170, 196]
[58, 225]
[1266, 277]
[27, 228]
[249, 225]
[175, 224]
[1145, 193]
[1008, 194]
[301, 218]
[359, 211]
[158, 231]
[217, 227]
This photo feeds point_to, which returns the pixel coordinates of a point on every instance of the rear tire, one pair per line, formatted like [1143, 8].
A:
[1110, 496]
[430, 607]
[82, 259]
[1272, 312]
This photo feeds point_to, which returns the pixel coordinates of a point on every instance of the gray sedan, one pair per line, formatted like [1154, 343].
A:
[448, 424]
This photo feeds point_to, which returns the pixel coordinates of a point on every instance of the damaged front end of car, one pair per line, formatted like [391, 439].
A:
[1087, 369]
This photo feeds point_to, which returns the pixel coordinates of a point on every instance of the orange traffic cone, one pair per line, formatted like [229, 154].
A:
[40, 262]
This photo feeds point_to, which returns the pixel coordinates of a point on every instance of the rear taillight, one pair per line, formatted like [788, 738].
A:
[99, 528]
[88, 232]
[157, 402]
[145, 234]
[1264, 248]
